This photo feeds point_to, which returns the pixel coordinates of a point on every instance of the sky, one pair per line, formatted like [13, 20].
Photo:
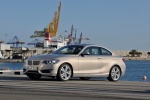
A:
[115, 24]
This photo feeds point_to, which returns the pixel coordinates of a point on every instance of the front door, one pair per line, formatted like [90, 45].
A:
[90, 62]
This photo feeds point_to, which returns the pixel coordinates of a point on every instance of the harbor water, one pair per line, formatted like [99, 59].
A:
[135, 71]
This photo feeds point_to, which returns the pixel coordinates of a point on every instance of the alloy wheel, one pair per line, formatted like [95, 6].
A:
[65, 72]
[114, 74]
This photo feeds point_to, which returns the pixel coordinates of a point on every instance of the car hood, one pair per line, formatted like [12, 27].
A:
[48, 56]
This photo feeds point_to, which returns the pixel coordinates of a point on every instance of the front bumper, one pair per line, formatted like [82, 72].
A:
[42, 69]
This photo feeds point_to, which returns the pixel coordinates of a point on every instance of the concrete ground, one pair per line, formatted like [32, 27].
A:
[19, 87]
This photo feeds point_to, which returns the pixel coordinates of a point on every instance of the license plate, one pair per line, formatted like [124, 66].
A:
[31, 68]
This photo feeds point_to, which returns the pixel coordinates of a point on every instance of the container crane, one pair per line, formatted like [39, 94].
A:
[16, 41]
[52, 26]
[1, 41]
[34, 42]
[37, 34]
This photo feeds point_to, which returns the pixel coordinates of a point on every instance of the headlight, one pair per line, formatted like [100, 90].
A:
[53, 61]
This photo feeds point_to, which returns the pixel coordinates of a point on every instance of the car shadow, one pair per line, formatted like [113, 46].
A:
[25, 78]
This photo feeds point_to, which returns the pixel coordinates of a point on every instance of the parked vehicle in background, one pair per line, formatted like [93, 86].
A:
[82, 60]
[17, 56]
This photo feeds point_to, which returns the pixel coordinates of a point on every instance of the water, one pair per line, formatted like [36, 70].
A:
[12, 66]
[134, 72]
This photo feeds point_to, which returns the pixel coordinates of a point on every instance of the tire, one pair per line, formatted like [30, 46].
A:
[114, 74]
[34, 76]
[84, 78]
[64, 72]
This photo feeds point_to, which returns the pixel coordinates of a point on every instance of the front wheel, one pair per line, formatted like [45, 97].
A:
[64, 72]
[114, 74]
[84, 78]
[34, 76]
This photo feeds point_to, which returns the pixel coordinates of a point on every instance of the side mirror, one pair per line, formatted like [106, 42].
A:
[82, 54]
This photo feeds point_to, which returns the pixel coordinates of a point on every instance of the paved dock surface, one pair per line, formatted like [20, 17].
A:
[19, 87]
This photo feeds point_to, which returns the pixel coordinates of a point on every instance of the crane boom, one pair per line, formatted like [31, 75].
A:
[52, 26]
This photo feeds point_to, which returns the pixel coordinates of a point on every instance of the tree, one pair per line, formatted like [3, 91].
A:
[148, 53]
[135, 53]
[139, 54]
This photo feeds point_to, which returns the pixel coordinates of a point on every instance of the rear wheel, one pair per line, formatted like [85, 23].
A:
[34, 76]
[84, 78]
[114, 74]
[64, 72]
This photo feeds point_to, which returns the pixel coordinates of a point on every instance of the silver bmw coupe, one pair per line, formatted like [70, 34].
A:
[81, 60]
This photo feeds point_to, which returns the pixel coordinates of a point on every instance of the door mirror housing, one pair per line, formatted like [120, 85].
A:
[82, 54]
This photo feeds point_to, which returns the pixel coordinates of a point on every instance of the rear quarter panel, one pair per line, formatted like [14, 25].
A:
[109, 62]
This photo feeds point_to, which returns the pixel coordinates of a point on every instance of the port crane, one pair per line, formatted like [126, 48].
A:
[52, 26]
[52, 29]
[34, 42]
[1, 41]
[80, 39]
[74, 40]
[16, 41]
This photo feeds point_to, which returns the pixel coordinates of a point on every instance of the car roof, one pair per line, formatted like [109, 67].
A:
[85, 45]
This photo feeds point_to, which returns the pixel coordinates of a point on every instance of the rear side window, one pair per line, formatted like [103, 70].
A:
[105, 51]
[91, 51]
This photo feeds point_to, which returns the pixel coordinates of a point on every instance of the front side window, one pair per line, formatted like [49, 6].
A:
[71, 49]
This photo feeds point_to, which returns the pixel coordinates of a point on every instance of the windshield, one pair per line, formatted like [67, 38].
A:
[71, 49]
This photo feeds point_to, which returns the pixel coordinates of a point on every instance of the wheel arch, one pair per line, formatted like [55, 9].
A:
[118, 67]
[68, 64]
